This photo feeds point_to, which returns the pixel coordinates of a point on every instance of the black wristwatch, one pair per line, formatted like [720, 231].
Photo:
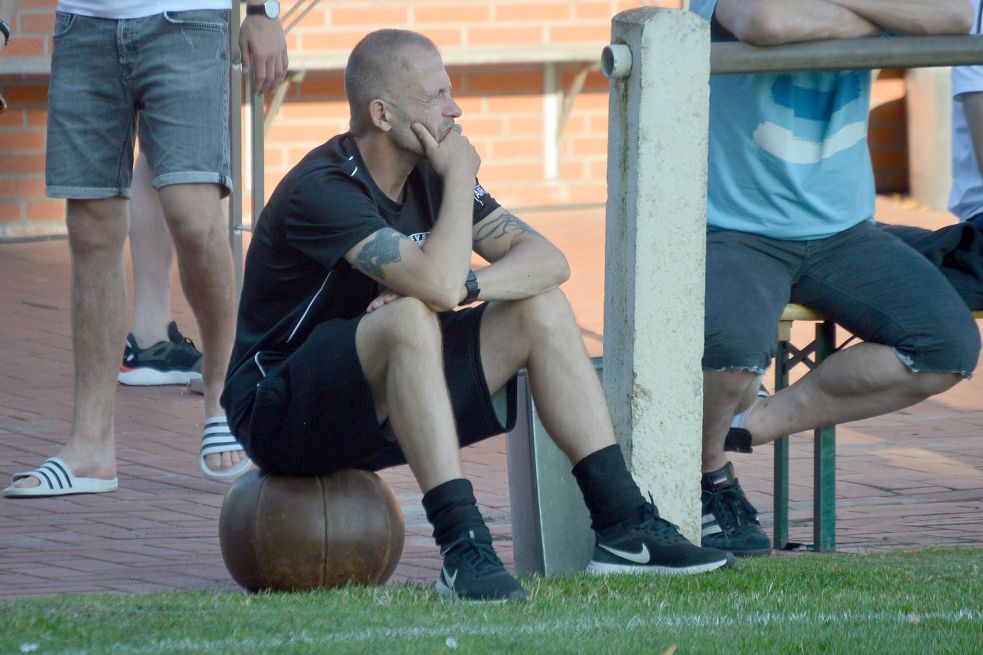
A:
[471, 284]
[5, 29]
[270, 9]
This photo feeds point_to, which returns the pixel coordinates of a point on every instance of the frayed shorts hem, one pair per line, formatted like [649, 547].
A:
[912, 366]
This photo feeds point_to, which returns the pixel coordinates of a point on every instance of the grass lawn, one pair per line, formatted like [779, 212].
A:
[926, 601]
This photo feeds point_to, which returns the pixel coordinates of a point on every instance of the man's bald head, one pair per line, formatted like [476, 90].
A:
[378, 67]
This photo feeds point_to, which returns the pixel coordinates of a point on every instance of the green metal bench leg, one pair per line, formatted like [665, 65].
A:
[780, 538]
[824, 459]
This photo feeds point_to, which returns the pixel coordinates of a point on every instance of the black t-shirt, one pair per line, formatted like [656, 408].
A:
[296, 276]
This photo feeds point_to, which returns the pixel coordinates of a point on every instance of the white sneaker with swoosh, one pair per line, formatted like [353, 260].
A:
[654, 545]
[472, 571]
[641, 557]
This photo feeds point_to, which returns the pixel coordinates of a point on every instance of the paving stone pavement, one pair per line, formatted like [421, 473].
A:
[907, 479]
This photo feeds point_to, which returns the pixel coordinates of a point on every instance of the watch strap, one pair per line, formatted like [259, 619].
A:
[473, 290]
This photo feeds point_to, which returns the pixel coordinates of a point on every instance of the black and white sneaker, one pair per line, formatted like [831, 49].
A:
[653, 546]
[175, 361]
[473, 572]
[730, 521]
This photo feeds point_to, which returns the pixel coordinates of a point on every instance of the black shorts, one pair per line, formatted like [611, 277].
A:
[867, 280]
[313, 412]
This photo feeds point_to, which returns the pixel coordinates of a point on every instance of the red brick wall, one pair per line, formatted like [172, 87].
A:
[503, 104]
[503, 117]
[23, 208]
[339, 24]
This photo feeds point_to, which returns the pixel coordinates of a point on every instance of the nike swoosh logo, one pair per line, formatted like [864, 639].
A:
[450, 578]
[641, 557]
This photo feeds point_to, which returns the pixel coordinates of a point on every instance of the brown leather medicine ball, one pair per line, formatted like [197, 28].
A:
[294, 534]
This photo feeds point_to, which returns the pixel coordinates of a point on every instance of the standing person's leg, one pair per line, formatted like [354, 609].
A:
[541, 334]
[89, 161]
[152, 255]
[195, 217]
[96, 232]
[156, 352]
[184, 133]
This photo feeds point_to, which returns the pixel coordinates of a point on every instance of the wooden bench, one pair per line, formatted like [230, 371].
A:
[824, 447]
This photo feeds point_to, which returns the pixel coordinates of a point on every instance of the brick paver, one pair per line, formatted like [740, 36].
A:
[911, 478]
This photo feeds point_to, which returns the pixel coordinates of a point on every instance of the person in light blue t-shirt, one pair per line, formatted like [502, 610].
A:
[790, 217]
[966, 199]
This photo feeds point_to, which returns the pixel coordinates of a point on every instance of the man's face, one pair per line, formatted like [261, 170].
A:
[425, 98]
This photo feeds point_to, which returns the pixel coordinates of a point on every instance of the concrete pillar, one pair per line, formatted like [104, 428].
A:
[656, 252]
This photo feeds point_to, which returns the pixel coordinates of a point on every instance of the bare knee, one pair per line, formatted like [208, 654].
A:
[734, 384]
[547, 315]
[408, 323]
[195, 236]
[194, 217]
[96, 226]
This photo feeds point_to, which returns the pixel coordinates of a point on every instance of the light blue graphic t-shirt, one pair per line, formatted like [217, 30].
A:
[788, 152]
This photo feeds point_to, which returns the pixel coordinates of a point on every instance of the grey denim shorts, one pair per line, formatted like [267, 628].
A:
[867, 280]
[171, 70]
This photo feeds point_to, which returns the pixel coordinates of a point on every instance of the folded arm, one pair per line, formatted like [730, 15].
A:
[773, 22]
[523, 262]
[435, 273]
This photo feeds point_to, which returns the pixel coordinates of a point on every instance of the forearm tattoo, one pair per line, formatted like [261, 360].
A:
[382, 250]
[507, 223]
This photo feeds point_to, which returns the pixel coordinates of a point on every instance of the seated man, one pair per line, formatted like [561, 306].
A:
[790, 211]
[348, 355]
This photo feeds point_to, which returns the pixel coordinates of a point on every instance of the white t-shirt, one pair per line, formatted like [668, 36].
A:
[966, 199]
[117, 9]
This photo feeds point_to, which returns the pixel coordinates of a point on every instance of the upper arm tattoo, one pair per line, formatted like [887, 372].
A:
[506, 223]
[382, 250]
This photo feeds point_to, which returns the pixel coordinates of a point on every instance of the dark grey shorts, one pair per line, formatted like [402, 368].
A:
[171, 68]
[313, 413]
[868, 281]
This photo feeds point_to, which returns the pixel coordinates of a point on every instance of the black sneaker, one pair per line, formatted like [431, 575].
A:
[473, 572]
[653, 546]
[730, 521]
[165, 362]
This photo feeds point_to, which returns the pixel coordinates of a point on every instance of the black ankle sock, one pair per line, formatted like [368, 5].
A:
[610, 493]
[738, 440]
[451, 508]
[722, 477]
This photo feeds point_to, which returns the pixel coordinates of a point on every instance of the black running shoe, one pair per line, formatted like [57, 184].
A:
[166, 362]
[730, 521]
[473, 572]
[653, 546]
